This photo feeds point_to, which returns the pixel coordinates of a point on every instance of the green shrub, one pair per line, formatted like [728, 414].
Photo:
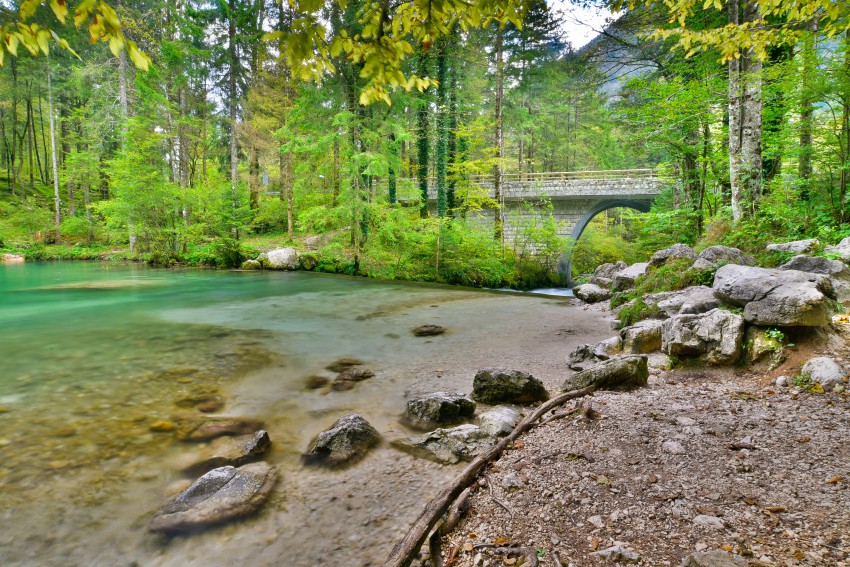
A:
[638, 311]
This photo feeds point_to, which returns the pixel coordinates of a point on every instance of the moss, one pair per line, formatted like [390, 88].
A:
[638, 311]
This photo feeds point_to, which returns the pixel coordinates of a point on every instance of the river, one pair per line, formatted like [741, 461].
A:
[93, 354]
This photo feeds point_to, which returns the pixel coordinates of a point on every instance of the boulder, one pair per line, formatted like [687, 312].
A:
[280, 259]
[837, 271]
[499, 421]
[603, 350]
[603, 275]
[439, 408]
[716, 337]
[206, 428]
[674, 252]
[448, 446]
[622, 372]
[11, 258]
[761, 342]
[583, 356]
[824, 371]
[308, 261]
[691, 300]
[429, 330]
[642, 337]
[348, 378]
[840, 250]
[252, 265]
[498, 385]
[776, 297]
[626, 278]
[232, 451]
[716, 558]
[714, 255]
[349, 438]
[591, 293]
[219, 496]
[796, 246]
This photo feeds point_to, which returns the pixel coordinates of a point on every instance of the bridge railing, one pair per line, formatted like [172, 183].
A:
[547, 176]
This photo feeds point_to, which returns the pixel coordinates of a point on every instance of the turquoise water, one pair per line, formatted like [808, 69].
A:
[92, 355]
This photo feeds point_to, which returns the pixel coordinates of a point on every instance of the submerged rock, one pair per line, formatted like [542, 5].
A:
[341, 364]
[439, 408]
[347, 379]
[220, 495]
[349, 438]
[232, 451]
[205, 428]
[498, 385]
[316, 381]
[448, 446]
[429, 330]
[622, 372]
[776, 297]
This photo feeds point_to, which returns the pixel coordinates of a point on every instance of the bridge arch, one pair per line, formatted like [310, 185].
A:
[566, 264]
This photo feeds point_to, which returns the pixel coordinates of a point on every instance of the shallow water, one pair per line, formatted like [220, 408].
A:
[93, 354]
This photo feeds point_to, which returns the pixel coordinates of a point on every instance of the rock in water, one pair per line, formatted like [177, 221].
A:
[621, 372]
[341, 364]
[714, 559]
[348, 378]
[252, 265]
[498, 385]
[590, 293]
[824, 371]
[439, 408]
[448, 446]
[776, 297]
[716, 337]
[232, 451]
[205, 428]
[220, 495]
[674, 252]
[349, 438]
[429, 330]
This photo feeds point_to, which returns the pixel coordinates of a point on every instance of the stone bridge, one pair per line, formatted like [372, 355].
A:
[576, 197]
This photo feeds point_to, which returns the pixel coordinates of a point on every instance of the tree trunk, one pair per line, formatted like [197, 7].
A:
[423, 139]
[232, 94]
[745, 120]
[392, 169]
[57, 217]
[807, 107]
[500, 150]
[442, 125]
[254, 177]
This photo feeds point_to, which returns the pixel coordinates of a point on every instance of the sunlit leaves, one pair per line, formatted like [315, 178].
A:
[60, 9]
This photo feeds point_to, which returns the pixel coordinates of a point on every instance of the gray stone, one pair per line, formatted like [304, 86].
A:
[591, 293]
[429, 330]
[841, 250]
[220, 495]
[691, 300]
[714, 255]
[499, 421]
[583, 356]
[232, 451]
[448, 446]
[715, 337]
[622, 372]
[776, 297]
[782, 381]
[837, 271]
[716, 558]
[280, 259]
[676, 251]
[349, 438]
[673, 447]
[642, 337]
[626, 279]
[603, 350]
[498, 385]
[711, 522]
[603, 275]
[439, 408]
[795, 246]
[618, 554]
[824, 371]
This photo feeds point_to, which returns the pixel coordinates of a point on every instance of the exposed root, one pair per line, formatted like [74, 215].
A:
[501, 503]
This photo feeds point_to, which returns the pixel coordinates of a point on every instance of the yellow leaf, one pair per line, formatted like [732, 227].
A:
[60, 8]
[28, 8]
[140, 60]
[110, 17]
[83, 11]
[116, 44]
[2, 55]
[42, 37]
[12, 42]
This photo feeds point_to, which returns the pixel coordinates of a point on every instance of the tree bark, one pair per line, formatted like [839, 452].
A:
[232, 95]
[423, 135]
[500, 150]
[57, 217]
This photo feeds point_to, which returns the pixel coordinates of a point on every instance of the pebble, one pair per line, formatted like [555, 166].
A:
[712, 522]
[673, 447]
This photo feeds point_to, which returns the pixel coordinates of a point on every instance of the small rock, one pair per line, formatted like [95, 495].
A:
[162, 426]
[782, 381]
[715, 558]
[674, 252]
[596, 521]
[349, 438]
[626, 279]
[252, 265]
[621, 372]
[712, 522]
[673, 447]
[316, 381]
[603, 275]
[448, 446]
[825, 371]
[499, 421]
[619, 554]
[429, 330]
[348, 378]
[498, 385]
[439, 408]
[343, 364]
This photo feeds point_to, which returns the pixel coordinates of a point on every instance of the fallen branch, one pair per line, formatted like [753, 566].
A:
[559, 415]
[405, 550]
[496, 500]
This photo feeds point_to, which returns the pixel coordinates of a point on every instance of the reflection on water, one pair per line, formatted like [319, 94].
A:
[93, 355]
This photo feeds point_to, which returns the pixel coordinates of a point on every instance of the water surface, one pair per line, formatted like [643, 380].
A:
[94, 354]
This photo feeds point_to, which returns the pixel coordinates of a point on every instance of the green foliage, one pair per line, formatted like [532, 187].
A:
[600, 244]
[637, 311]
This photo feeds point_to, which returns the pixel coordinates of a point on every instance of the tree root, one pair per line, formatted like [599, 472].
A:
[496, 500]
[404, 551]
[529, 554]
